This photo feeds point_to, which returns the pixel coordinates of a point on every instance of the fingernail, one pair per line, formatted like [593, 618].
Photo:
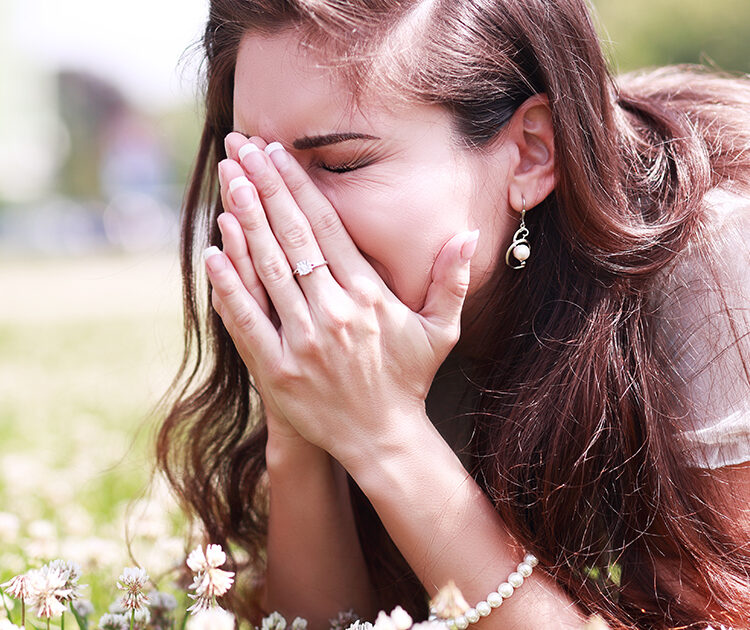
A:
[210, 251]
[241, 191]
[245, 149]
[469, 246]
[213, 260]
[278, 154]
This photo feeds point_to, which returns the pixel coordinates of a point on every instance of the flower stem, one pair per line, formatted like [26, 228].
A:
[5, 605]
[132, 618]
[62, 621]
[47, 623]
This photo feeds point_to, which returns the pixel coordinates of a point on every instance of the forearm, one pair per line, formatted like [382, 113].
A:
[315, 563]
[447, 529]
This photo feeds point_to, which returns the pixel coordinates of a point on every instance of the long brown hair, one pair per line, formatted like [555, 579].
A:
[574, 436]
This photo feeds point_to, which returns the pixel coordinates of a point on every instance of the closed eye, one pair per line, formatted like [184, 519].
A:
[343, 168]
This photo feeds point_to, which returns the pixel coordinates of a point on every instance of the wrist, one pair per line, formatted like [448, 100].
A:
[286, 453]
[406, 438]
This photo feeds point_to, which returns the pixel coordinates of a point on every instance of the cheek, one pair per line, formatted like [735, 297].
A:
[401, 229]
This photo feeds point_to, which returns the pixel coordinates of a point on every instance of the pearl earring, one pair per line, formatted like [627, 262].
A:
[520, 248]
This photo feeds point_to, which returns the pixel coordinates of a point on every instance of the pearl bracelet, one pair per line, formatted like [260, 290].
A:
[494, 599]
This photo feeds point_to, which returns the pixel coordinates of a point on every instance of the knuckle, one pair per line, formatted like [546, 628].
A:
[294, 235]
[452, 335]
[249, 219]
[270, 185]
[326, 222]
[366, 293]
[295, 183]
[272, 270]
[460, 288]
[307, 341]
[448, 336]
[337, 318]
[245, 322]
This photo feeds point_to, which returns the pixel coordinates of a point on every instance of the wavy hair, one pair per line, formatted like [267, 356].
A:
[574, 429]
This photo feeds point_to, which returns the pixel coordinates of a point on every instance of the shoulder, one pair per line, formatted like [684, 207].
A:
[701, 307]
[715, 264]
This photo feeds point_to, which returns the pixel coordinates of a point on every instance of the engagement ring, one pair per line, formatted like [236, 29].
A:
[305, 267]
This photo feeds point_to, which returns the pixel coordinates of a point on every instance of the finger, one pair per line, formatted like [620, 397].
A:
[347, 263]
[251, 329]
[235, 247]
[268, 258]
[235, 141]
[289, 224]
[447, 292]
[237, 250]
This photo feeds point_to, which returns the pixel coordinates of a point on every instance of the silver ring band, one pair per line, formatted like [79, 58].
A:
[305, 267]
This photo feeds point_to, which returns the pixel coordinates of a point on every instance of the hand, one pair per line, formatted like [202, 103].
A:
[348, 361]
[235, 248]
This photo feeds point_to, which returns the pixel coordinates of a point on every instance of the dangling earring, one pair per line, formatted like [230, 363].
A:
[520, 248]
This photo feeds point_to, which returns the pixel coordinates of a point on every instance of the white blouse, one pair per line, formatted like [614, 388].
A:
[703, 309]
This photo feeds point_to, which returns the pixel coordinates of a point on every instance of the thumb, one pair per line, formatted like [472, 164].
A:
[450, 281]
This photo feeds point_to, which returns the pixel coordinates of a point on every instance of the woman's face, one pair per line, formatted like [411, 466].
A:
[402, 190]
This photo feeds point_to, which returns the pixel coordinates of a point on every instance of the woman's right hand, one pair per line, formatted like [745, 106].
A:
[235, 247]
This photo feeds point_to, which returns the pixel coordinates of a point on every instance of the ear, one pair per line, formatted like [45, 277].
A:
[530, 132]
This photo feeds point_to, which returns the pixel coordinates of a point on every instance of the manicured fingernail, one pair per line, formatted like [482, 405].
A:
[241, 192]
[470, 245]
[278, 155]
[213, 258]
[210, 251]
[247, 148]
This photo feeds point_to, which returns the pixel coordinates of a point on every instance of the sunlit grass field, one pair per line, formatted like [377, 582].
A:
[87, 347]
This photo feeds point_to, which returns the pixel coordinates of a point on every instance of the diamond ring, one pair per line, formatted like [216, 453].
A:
[305, 267]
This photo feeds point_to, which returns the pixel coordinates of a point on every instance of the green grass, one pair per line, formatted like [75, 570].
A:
[87, 347]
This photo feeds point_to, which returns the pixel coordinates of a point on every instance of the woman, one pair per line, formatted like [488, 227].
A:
[379, 399]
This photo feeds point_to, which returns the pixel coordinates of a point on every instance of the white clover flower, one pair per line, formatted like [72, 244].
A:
[133, 581]
[83, 607]
[212, 559]
[141, 617]
[210, 581]
[213, 583]
[384, 622]
[7, 625]
[162, 601]
[17, 587]
[113, 621]
[401, 619]
[299, 624]
[72, 573]
[212, 619]
[47, 591]
[274, 621]
[364, 625]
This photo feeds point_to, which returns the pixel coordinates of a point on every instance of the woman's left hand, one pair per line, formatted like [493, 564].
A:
[349, 361]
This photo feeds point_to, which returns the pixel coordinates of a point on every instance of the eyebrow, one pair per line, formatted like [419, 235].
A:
[312, 142]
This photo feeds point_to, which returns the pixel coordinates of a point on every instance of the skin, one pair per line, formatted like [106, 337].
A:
[359, 341]
[407, 210]
[344, 357]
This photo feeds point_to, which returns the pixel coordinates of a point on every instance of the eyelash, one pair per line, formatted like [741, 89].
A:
[342, 168]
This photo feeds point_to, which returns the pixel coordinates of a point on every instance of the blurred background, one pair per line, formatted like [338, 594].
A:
[99, 121]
